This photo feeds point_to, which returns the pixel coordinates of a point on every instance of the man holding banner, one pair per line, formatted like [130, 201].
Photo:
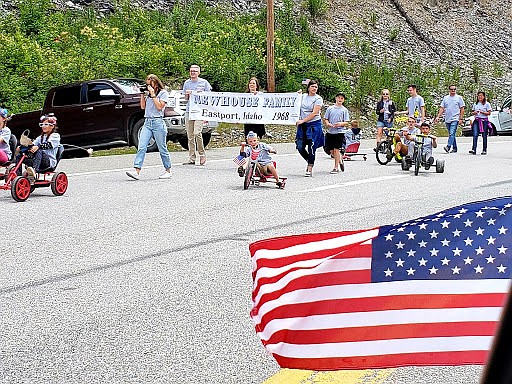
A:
[195, 127]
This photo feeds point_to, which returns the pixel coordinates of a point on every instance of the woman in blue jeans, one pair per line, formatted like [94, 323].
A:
[153, 102]
[310, 135]
[481, 110]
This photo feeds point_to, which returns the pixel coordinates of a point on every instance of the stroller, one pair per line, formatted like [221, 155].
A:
[353, 141]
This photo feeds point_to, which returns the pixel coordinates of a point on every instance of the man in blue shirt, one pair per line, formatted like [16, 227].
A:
[453, 108]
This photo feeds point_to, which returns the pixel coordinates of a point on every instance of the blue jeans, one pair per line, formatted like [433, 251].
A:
[38, 160]
[476, 131]
[452, 130]
[153, 127]
[382, 124]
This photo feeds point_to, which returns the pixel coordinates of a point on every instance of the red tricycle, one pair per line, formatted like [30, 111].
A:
[253, 176]
[21, 186]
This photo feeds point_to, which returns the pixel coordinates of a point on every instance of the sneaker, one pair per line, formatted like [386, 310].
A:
[484, 152]
[31, 174]
[165, 175]
[453, 151]
[133, 175]
[189, 162]
[202, 160]
[335, 171]
[446, 149]
[429, 162]
[279, 184]
[240, 171]
[472, 152]
[375, 149]
[308, 174]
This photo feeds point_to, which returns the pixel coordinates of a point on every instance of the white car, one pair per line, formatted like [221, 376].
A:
[501, 120]
[175, 120]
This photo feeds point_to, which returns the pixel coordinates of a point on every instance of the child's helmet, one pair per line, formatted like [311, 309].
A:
[4, 113]
[251, 135]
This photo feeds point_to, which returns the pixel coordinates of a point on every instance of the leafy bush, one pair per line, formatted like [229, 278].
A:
[44, 47]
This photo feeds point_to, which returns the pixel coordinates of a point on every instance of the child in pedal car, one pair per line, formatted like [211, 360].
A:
[428, 144]
[42, 154]
[5, 136]
[255, 150]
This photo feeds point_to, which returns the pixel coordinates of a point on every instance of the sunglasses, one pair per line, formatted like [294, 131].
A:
[44, 124]
[385, 94]
[453, 89]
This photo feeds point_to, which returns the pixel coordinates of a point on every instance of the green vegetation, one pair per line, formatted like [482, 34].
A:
[393, 33]
[43, 47]
[315, 8]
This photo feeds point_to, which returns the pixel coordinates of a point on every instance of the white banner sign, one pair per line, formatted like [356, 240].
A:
[231, 107]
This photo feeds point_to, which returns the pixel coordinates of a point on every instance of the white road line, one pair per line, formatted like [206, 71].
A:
[355, 182]
[158, 166]
[368, 150]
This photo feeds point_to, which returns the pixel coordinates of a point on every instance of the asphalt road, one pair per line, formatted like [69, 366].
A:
[149, 281]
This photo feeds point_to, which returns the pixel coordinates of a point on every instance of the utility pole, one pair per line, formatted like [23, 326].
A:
[271, 80]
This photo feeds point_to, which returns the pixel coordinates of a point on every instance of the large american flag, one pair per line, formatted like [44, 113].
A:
[425, 292]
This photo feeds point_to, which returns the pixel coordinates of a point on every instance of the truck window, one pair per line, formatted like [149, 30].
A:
[67, 96]
[93, 92]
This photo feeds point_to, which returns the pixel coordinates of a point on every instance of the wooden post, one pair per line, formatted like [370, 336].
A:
[271, 80]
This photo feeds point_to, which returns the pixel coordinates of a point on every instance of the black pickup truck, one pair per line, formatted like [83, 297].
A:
[97, 114]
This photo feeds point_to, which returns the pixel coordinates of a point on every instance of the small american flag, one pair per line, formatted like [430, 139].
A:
[240, 160]
[428, 291]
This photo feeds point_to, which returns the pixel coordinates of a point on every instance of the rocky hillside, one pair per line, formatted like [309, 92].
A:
[460, 33]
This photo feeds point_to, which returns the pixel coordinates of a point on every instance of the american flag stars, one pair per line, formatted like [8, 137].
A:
[469, 242]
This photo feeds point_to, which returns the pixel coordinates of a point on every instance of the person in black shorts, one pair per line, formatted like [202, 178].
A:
[336, 119]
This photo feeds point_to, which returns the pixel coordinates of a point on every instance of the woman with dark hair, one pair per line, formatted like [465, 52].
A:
[310, 135]
[481, 110]
[153, 102]
[259, 129]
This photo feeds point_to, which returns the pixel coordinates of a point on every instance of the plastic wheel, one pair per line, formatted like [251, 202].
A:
[383, 153]
[417, 162]
[248, 175]
[20, 188]
[439, 166]
[59, 184]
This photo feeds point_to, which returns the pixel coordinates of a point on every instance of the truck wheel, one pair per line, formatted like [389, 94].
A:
[136, 130]
[183, 140]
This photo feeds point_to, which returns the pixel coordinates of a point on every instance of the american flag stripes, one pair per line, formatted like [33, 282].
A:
[425, 292]
[240, 160]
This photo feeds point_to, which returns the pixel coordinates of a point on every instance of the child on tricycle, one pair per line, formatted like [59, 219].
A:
[260, 163]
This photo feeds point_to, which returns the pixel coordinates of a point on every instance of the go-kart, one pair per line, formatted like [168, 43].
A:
[21, 186]
[418, 159]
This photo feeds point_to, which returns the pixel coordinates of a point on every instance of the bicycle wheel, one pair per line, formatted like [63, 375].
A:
[384, 154]
[248, 175]
[417, 161]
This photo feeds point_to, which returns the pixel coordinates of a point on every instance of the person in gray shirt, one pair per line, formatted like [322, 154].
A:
[195, 127]
[453, 108]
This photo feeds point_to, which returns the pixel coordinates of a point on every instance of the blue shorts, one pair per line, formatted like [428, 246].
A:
[381, 124]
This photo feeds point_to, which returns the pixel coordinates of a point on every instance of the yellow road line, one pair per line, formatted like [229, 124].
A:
[297, 376]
